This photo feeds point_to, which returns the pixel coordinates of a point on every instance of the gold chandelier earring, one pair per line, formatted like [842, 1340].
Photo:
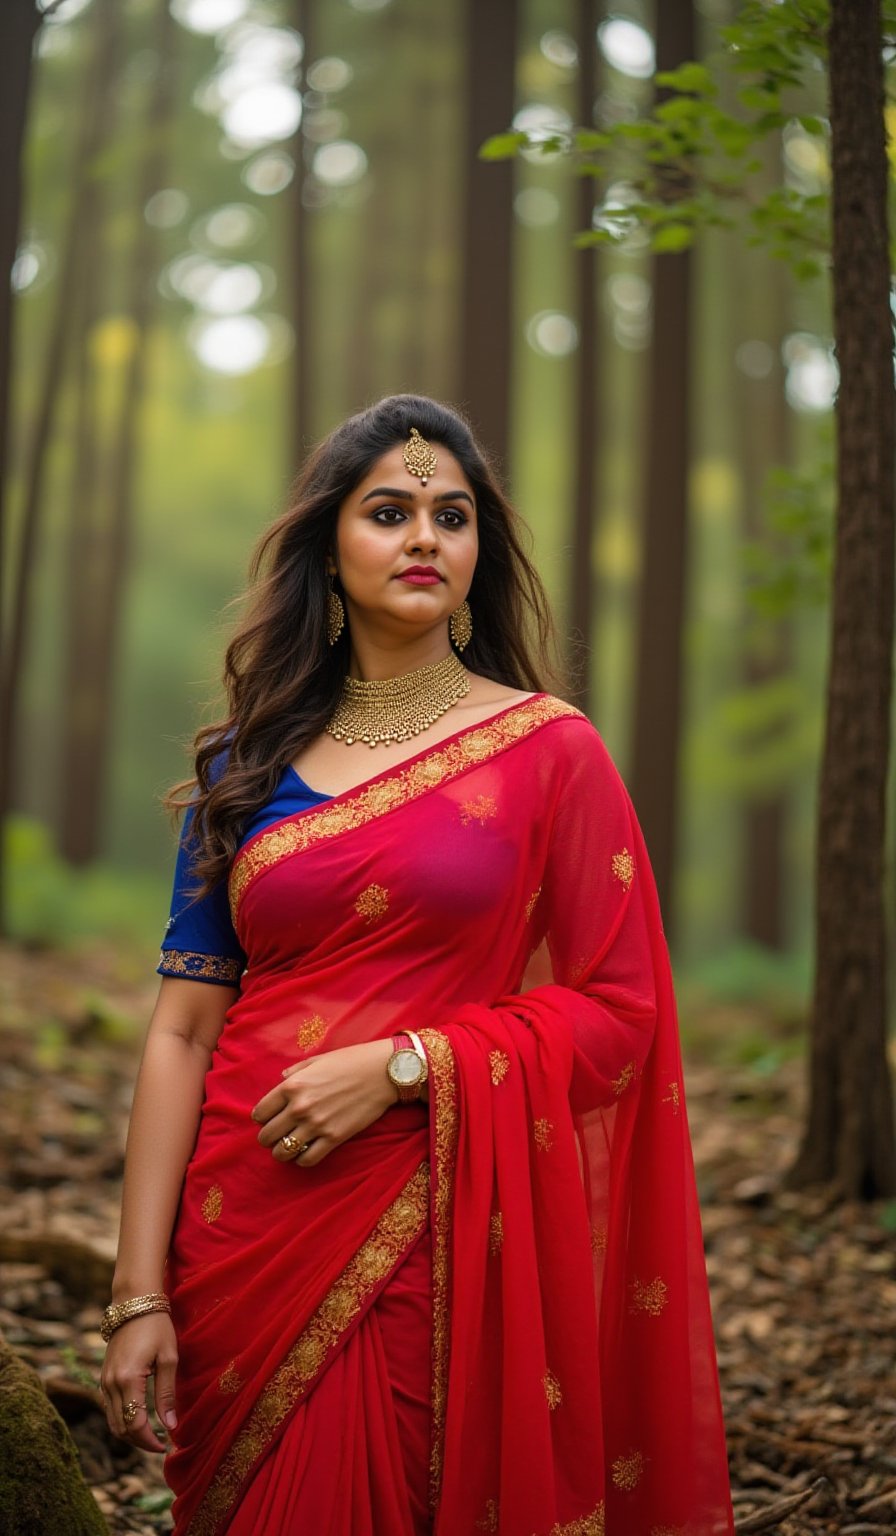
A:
[460, 625]
[335, 616]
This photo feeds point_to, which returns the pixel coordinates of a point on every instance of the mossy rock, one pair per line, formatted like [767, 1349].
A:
[42, 1489]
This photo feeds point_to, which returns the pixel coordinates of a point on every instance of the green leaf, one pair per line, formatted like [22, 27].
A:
[502, 146]
[673, 237]
[692, 77]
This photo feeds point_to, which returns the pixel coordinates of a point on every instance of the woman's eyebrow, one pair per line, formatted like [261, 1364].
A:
[387, 490]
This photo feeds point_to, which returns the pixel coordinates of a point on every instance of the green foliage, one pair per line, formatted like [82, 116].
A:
[792, 565]
[51, 903]
[687, 164]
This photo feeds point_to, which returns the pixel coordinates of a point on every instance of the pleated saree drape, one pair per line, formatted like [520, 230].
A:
[487, 1315]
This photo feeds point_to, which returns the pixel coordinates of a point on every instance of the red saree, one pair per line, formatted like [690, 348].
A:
[494, 893]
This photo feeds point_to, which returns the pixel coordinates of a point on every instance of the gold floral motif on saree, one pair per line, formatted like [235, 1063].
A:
[230, 1380]
[311, 1031]
[495, 1232]
[530, 904]
[377, 797]
[481, 809]
[443, 1102]
[598, 1239]
[399, 1226]
[667, 1530]
[628, 1470]
[489, 1520]
[651, 1298]
[625, 1077]
[499, 1064]
[587, 1525]
[623, 867]
[183, 962]
[213, 1204]
[673, 1097]
[373, 902]
[543, 1131]
[552, 1390]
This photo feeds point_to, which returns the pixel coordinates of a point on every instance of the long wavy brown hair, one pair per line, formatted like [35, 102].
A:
[281, 675]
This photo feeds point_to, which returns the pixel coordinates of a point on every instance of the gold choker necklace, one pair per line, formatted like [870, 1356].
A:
[394, 708]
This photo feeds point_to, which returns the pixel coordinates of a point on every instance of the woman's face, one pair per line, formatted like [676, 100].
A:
[391, 521]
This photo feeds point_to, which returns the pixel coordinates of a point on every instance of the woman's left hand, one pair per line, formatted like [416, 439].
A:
[325, 1100]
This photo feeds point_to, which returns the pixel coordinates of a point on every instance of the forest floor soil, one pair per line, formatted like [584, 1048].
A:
[803, 1287]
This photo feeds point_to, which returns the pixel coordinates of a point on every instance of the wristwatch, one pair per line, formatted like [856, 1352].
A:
[407, 1066]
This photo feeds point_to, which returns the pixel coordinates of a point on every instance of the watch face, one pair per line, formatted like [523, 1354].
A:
[405, 1068]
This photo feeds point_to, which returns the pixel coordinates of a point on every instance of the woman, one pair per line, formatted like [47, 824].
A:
[409, 1159]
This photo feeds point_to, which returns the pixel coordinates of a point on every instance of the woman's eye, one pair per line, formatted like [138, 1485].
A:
[450, 512]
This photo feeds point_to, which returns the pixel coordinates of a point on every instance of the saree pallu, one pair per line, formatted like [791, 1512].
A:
[492, 892]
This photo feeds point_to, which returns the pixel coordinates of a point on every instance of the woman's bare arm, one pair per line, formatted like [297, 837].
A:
[183, 1031]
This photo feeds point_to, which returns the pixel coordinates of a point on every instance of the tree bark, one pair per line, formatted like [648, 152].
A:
[487, 326]
[85, 538]
[19, 23]
[90, 119]
[588, 433]
[42, 1487]
[658, 687]
[123, 459]
[849, 1136]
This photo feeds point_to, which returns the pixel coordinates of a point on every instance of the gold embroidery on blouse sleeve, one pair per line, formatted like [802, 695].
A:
[598, 1239]
[623, 867]
[673, 1097]
[311, 1031]
[230, 1379]
[552, 1390]
[488, 1521]
[543, 1131]
[213, 1204]
[499, 1061]
[183, 962]
[626, 1076]
[587, 1525]
[495, 1232]
[481, 809]
[651, 1298]
[373, 902]
[628, 1470]
[530, 904]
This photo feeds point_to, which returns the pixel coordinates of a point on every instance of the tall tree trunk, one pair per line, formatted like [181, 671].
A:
[301, 428]
[90, 136]
[588, 433]
[84, 566]
[849, 1136]
[19, 23]
[125, 437]
[763, 426]
[486, 328]
[658, 686]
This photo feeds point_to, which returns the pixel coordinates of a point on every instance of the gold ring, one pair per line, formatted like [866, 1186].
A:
[291, 1143]
[130, 1411]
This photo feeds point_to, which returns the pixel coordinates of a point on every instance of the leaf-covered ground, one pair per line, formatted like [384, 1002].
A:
[804, 1291]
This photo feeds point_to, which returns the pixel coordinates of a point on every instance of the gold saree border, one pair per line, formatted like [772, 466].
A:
[394, 1234]
[443, 1104]
[395, 787]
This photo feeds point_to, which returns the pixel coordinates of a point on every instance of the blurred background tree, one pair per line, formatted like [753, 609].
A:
[244, 219]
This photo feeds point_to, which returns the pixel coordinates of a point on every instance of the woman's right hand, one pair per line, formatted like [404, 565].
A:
[145, 1346]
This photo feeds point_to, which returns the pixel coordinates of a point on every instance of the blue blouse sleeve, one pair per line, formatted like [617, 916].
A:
[200, 943]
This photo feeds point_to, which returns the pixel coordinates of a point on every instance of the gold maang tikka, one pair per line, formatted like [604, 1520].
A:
[418, 457]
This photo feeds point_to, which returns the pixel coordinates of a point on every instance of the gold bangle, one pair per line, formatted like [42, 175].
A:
[123, 1311]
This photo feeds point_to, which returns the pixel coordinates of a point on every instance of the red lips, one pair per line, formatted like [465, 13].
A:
[421, 570]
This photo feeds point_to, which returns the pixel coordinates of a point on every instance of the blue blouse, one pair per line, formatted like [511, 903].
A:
[200, 942]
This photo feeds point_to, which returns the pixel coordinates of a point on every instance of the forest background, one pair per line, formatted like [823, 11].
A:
[242, 220]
